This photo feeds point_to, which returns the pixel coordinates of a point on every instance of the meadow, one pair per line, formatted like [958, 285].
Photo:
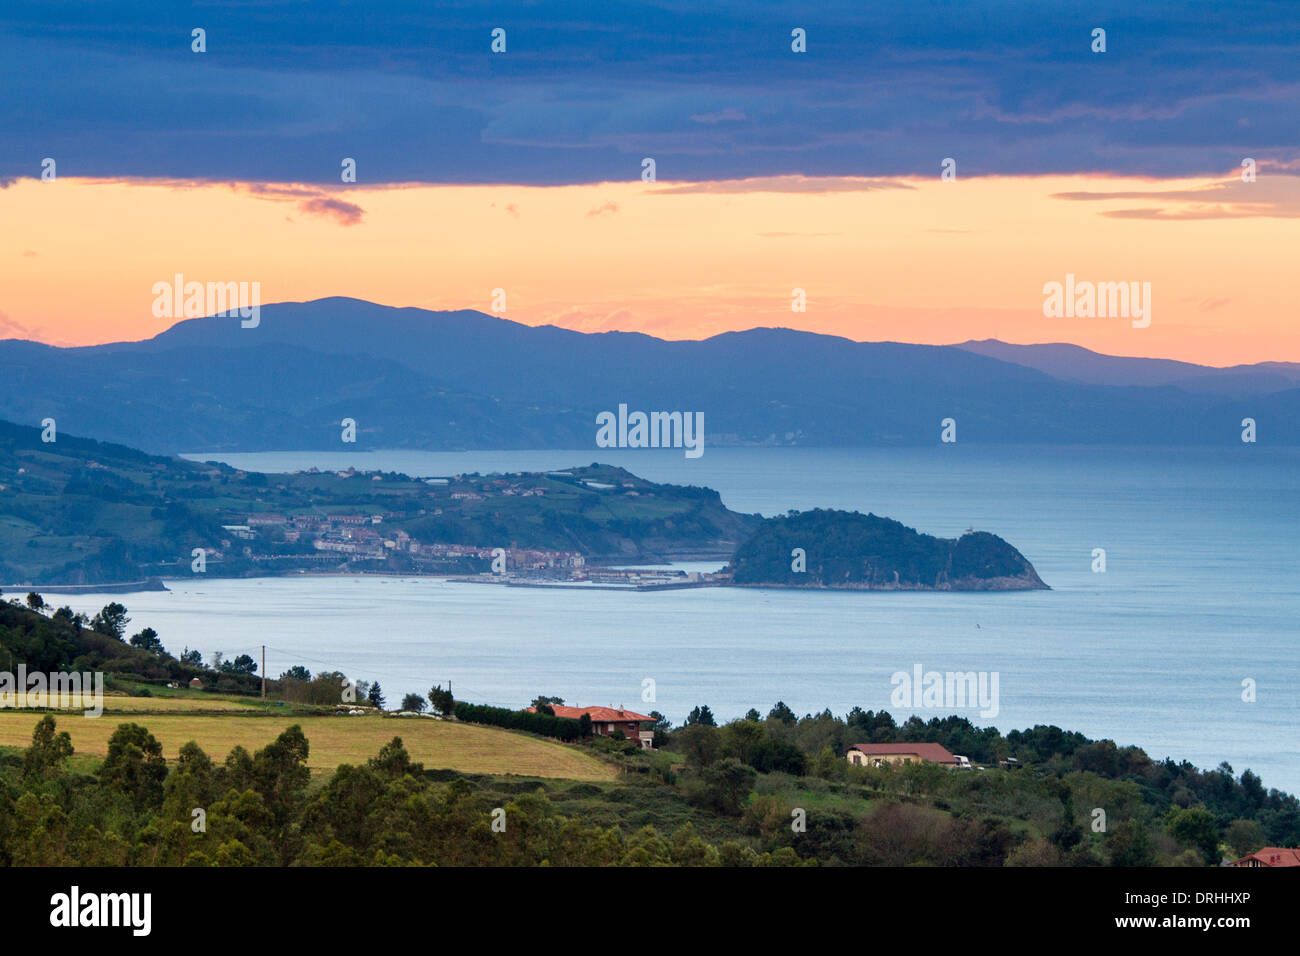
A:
[438, 744]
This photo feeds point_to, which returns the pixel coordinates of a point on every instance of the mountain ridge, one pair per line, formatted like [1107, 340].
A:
[1071, 362]
[462, 379]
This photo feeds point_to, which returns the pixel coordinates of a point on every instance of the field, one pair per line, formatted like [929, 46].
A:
[437, 744]
[74, 704]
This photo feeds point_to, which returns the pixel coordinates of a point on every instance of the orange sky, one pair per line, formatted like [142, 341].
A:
[903, 260]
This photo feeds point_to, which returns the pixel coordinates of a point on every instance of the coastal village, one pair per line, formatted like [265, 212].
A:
[373, 540]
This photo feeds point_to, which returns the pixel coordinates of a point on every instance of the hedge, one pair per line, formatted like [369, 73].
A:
[561, 728]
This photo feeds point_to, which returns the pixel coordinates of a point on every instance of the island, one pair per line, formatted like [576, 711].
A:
[848, 550]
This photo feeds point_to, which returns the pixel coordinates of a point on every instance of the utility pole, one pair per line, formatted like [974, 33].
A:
[263, 672]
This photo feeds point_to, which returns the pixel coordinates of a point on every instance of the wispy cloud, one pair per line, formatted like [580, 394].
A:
[1272, 195]
[728, 115]
[786, 184]
[13, 329]
[344, 213]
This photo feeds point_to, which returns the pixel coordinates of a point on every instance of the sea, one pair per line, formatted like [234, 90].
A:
[1185, 645]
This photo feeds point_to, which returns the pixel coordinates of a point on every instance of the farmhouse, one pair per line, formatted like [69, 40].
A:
[877, 755]
[1270, 856]
[606, 720]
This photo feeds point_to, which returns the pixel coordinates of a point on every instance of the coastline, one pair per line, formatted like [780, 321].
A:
[121, 587]
[160, 584]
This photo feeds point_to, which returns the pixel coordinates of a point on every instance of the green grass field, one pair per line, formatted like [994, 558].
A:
[468, 748]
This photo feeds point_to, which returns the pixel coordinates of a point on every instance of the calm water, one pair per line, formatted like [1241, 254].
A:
[1200, 593]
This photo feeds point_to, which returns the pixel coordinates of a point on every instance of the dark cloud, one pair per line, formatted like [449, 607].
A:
[345, 213]
[711, 90]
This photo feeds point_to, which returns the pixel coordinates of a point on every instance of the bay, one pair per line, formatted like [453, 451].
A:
[1199, 595]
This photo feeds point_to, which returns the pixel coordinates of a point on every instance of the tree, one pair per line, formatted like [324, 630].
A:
[723, 787]
[111, 621]
[134, 765]
[1197, 828]
[661, 728]
[148, 640]
[296, 672]
[782, 713]
[48, 750]
[1130, 845]
[1067, 834]
[281, 777]
[701, 715]
[189, 785]
[192, 658]
[700, 743]
[441, 700]
[413, 702]
[1245, 836]
[393, 761]
[243, 664]
[35, 601]
[753, 715]
[1253, 788]
[546, 705]
[376, 696]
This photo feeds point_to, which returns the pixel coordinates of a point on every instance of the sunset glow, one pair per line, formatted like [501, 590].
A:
[906, 260]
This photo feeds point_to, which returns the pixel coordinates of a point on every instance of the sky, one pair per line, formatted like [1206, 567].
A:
[774, 170]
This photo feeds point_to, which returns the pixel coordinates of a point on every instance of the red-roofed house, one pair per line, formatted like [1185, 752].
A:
[1270, 856]
[875, 755]
[606, 720]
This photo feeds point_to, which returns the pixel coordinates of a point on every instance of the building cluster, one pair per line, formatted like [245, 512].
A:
[365, 537]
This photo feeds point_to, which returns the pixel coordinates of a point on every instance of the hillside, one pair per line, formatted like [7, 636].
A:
[412, 378]
[62, 641]
[76, 511]
[849, 550]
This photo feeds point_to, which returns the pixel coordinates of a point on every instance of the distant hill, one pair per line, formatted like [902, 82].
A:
[846, 549]
[1072, 363]
[412, 378]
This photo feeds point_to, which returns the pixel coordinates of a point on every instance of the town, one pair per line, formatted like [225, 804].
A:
[376, 541]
